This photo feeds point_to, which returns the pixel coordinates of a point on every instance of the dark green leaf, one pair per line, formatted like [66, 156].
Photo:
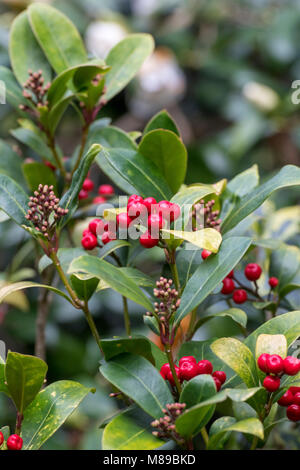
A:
[13, 200]
[162, 120]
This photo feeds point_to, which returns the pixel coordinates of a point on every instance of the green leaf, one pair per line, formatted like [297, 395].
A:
[236, 314]
[111, 137]
[192, 194]
[70, 199]
[112, 246]
[112, 276]
[51, 407]
[65, 256]
[198, 389]
[25, 376]
[57, 36]
[125, 59]
[134, 171]
[162, 120]
[11, 163]
[56, 113]
[140, 381]
[285, 263]
[251, 426]
[10, 288]
[288, 176]
[244, 182]
[126, 432]
[25, 52]
[288, 288]
[190, 421]
[13, 200]
[38, 173]
[210, 273]
[167, 151]
[84, 288]
[3, 386]
[238, 357]
[207, 238]
[34, 140]
[13, 91]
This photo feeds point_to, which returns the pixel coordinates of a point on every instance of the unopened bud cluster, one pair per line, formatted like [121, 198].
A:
[205, 216]
[44, 210]
[168, 296]
[166, 428]
[34, 90]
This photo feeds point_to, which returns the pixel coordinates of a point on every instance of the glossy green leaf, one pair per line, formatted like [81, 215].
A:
[3, 386]
[207, 238]
[25, 376]
[192, 194]
[140, 381]
[244, 182]
[167, 151]
[112, 246]
[47, 413]
[37, 173]
[198, 389]
[162, 120]
[112, 276]
[288, 176]
[57, 112]
[226, 424]
[84, 288]
[57, 36]
[126, 432]
[34, 140]
[13, 200]
[125, 59]
[11, 288]
[236, 314]
[25, 52]
[288, 288]
[210, 273]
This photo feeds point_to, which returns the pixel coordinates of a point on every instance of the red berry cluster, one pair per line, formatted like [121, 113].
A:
[104, 191]
[276, 367]
[14, 442]
[291, 400]
[166, 427]
[189, 368]
[97, 229]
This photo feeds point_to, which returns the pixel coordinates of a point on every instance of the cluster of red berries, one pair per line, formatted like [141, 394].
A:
[189, 368]
[291, 400]
[14, 442]
[97, 228]
[276, 367]
[104, 191]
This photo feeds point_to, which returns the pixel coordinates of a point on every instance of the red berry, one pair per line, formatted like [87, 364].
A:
[135, 198]
[273, 282]
[253, 271]
[296, 398]
[106, 189]
[174, 212]
[217, 383]
[275, 364]
[88, 185]
[205, 254]
[231, 274]
[89, 241]
[164, 369]
[188, 370]
[108, 237]
[164, 208]
[99, 200]
[1, 438]
[14, 442]
[228, 286]
[205, 367]
[155, 223]
[123, 220]
[293, 413]
[220, 375]
[147, 241]
[294, 390]
[96, 226]
[187, 359]
[169, 375]
[262, 362]
[150, 203]
[286, 399]
[85, 232]
[240, 296]
[83, 194]
[271, 383]
[291, 365]
[137, 209]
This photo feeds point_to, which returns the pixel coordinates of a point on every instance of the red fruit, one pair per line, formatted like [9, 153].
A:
[1, 438]
[291, 365]
[228, 286]
[188, 370]
[286, 399]
[150, 203]
[89, 241]
[164, 208]
[253, 271]
[174, 212]
[240, 296]
[293, 413]
[108, 237]
[96, 226]
[14, 442]
[123, 220]
[218, 383]
[262, 362]
[220, 375]
[164, 369]
[205, 254]
[83, 194]
[296, 398]
[187, 359]
[99, 200]
[205, 367]
[273, 282]
[294, 390]
[137, 209]
[169, 375]
[231, 274]
[274, 364]
[271, 383]
[135, 198]
[155, 222]
[147, 241]
[106, 189]
[85, 232]
[88, 185]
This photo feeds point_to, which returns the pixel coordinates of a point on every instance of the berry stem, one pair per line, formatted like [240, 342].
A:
[168, 352]
[19, 423]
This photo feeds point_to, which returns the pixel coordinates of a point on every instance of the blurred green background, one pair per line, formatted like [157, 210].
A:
[224, 70]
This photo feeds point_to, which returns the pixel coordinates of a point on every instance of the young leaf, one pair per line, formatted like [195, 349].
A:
[25, 52]
[13, 200]
[167, 151]
[251, 426]
[57, 36]
[49, 410]
[207, 238]
[140, 381]
[24, 376]
[162, 120]
[125, 59]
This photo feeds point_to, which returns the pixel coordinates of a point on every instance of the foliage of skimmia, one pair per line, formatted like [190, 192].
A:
[221, 255]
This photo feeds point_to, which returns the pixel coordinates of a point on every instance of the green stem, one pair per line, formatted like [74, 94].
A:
[92, 326]
[254, 443]
[126, 316]
[85, 131]
[173, 267]
[205, 436]
[172, 367]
